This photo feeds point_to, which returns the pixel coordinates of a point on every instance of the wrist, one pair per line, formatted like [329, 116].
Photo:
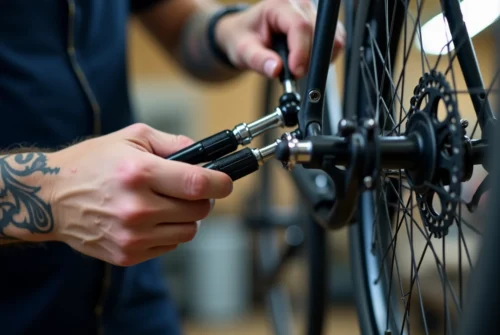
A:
[27, 183]
[217, 31]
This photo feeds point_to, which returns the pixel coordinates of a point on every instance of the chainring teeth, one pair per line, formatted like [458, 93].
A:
[435, 86]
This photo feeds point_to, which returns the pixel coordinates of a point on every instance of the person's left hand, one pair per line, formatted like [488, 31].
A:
[246, 36]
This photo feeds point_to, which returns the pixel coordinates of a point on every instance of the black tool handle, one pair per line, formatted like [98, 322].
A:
[280, 45]
[207, 149]
[236, 165]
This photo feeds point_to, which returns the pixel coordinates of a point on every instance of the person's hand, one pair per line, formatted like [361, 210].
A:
[246, 36]
[118, 199]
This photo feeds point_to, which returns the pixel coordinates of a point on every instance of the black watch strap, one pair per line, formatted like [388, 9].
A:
[214, 19]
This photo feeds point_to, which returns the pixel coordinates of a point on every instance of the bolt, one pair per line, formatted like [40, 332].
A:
[314, 95]
[321, 181]
[294, 236]
[343, 123]
[464, 123]
[286, 137]
[368, 181]
[346, 127]
[370, 124]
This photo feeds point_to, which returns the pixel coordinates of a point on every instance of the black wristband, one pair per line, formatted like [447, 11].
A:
[214, 19]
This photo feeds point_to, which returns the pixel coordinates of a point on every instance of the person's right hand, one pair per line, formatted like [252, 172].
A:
[118, 199]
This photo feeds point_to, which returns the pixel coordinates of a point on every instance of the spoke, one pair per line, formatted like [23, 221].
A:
[389, 113]
[405, 46]
[407, 53]
[391, 245]
[447, 46]
[468, 225]
[414, 272]
[387, 59]
[438, 262]
[477, 90]
[476, 126]
[445, 295]
[379, 53]
[487, 94]
[461, 235]
[397, 126]
[453, 79]
[423, 57]
[363, 74]
[374, 63]
[427, 244]
[394, 261]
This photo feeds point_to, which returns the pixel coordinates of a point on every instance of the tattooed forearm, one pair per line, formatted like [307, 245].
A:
[23, 210]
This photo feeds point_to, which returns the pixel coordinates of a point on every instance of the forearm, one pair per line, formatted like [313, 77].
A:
[180, 26]
[25, 209]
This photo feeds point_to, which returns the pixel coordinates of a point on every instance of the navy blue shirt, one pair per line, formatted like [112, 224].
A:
[63, 77]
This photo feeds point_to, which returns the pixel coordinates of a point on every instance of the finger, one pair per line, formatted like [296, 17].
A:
[167, 234]
[297, 22]
[165, 209]
[155, 141]
[300, 36]
[253, 54]
[212, 204]
[185, 181]
[300, 44]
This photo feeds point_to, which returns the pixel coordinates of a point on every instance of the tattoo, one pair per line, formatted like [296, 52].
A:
[20, 204]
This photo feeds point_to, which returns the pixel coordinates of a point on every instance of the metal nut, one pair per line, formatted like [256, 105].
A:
[369, 124]
[314, 95]
[368, 181]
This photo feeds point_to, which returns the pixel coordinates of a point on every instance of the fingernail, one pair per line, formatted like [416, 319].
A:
[212, 204]
[198, 224]
[270, 66]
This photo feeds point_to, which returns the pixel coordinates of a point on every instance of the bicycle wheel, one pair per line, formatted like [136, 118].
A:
[419, 231]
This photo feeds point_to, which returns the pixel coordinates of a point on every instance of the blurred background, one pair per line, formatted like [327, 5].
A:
[212, 278]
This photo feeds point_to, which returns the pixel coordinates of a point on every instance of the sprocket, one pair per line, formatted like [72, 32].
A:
[444, 169]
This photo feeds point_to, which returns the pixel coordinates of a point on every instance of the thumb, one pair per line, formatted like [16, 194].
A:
[155, 141]
[261, 59]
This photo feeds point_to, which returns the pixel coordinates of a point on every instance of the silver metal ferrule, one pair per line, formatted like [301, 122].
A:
[242, 134]
[266, 153]
[245, 133]
[300, 151]
[289, 86]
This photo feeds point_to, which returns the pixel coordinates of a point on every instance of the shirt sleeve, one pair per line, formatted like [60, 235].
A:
[137, 6]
